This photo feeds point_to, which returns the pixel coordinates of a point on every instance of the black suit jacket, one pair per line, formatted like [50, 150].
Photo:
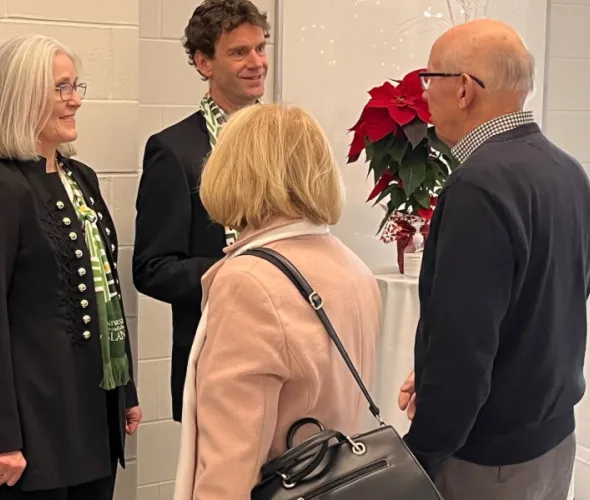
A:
[175, 242]
[51, 406]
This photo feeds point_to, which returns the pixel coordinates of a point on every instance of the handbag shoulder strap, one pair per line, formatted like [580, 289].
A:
[315, 300]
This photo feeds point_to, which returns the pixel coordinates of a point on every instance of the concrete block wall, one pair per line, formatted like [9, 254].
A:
[138, 83]
[169, 90]
[105, 34]
[567, 114]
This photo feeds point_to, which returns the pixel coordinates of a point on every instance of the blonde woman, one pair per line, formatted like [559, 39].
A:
[67, 395]
[261, 358]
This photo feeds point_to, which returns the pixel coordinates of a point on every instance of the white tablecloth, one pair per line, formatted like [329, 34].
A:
[395, 352]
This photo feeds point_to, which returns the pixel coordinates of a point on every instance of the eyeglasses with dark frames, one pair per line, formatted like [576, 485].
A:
[426, 77]
[66, 90]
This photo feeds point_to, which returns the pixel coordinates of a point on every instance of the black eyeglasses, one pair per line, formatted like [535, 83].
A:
[426, 77]
[66, 90]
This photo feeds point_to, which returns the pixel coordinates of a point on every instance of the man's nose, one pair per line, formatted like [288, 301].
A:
[255, 59]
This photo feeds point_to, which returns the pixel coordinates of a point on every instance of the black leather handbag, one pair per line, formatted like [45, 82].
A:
[330, 465]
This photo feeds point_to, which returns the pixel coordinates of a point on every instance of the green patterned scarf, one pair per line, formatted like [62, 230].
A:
[111, 323]
[215, 118]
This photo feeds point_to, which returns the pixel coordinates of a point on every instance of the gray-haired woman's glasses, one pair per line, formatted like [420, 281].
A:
[66, 90]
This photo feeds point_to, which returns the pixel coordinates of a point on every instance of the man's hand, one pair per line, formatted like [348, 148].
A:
[133, 418]
[407, 396]
[12, 466]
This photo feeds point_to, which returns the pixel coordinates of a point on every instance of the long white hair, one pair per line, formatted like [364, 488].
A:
[27, 93]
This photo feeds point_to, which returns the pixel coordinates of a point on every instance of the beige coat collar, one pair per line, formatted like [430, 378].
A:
[257, 238]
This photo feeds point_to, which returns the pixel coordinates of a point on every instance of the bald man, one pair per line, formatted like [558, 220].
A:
[505, 277]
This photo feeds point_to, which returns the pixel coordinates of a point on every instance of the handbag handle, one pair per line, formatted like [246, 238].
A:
[316, 302]
[293, 456]
[278, 465]
[300, 423]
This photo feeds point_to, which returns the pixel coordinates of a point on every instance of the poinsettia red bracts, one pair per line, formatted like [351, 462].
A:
[383, 182]
[426, 213]
[389, 108]
[408, 161]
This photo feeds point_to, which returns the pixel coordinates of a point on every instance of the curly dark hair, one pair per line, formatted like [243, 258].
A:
[213, 18]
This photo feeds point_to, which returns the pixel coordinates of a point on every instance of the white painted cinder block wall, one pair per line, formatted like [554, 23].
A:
[567, 115]
[169, 90]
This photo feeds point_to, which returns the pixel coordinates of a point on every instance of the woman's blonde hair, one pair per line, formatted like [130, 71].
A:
[27, 93]
[270, 162]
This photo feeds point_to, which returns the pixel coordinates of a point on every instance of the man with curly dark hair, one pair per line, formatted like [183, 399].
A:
[222, 40]
[175, 240]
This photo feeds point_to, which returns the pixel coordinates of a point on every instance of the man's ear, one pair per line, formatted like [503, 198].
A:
[465, 92]
[204, 64]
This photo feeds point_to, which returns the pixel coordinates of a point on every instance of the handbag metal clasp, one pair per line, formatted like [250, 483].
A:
[358, 448]
[288, 485]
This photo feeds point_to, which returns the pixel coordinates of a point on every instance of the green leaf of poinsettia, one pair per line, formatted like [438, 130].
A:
[386, 192]
[393, 167]
[398, 197]
[381, 148]
[431, 180]
[382, 195]
[441, 169]
[437, 166]
[422, 196]
[369, 149]
[398, 148]
[415, 131]
[412, 173]
[390, 209]
[378, 166]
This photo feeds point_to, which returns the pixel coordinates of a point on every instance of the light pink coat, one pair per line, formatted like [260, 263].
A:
[267, 361]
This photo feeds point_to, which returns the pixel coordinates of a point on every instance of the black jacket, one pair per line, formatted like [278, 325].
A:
[51, 405]
[505, 278]
[175, 242]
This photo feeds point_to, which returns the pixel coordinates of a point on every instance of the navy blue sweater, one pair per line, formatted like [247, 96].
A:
[500, 345]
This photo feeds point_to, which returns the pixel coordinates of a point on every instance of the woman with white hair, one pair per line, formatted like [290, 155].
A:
[67, 396]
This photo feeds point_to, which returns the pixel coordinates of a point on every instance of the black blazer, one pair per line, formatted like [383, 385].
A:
[175, 241]
[51, 406]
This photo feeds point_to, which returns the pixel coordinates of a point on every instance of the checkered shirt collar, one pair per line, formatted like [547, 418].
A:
[474, 139]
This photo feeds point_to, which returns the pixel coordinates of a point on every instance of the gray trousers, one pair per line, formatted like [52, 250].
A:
[545, 478]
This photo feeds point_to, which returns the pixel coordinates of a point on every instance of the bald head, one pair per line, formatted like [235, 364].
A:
[490, 50]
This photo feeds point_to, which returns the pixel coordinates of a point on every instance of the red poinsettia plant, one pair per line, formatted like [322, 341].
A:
[409, 163]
